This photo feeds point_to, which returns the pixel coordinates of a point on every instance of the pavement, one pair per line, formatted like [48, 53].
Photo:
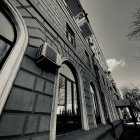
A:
[131, 132]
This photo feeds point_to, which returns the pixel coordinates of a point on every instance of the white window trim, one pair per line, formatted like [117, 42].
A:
[11, 66]
[84, 119]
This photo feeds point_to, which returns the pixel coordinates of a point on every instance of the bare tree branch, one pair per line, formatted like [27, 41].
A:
[135, 33]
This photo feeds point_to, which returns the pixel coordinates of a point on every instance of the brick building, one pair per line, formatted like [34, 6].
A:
[55, 82]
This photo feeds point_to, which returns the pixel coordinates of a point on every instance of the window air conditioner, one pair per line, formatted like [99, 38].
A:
[47, 57]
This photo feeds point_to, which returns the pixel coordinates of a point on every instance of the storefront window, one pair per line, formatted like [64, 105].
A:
[6, 38]
[68, 110]
[95, 105]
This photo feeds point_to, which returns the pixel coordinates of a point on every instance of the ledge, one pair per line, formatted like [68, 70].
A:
[102, 132]
[93, 134]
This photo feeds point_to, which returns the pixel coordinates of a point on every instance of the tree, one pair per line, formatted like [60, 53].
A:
[135, 33]
[133, 94]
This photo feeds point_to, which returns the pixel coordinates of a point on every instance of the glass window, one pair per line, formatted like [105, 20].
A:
[103, 80]
[70, 35]
[87, 59]
[95, 105]
[6, 37]
[68, 110]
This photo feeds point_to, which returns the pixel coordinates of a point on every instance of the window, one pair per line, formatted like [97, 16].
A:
[70, 35]
[7, 37]
[95, 105]
[68, 110]
[104, 105]
[10, 60]
[87, 59]
[103, 80]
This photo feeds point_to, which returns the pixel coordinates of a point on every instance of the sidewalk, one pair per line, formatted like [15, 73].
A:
[131, 132]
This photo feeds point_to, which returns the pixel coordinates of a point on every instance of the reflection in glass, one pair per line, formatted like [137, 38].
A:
[69, 98]
[6, 28]
[75, 100]
[95, 105]
[4, 47]
[6, 38]
[61, 96]
[68, 115]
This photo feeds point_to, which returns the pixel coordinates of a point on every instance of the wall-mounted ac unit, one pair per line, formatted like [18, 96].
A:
[47, 57]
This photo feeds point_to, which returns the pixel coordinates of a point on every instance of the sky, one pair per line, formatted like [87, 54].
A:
[111, 21]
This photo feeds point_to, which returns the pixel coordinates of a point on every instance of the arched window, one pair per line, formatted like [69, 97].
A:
[95, 104]
[13, 43]
[68, 109]
[7, 36]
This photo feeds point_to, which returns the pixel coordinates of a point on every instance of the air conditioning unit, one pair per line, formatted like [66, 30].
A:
[47, 57]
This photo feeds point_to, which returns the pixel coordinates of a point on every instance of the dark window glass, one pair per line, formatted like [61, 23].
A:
[104, 105]
[6, 37]
[103, 80]
[87, 59]
[61, 96]
[70, 35]
[68, 111]
[95, 105]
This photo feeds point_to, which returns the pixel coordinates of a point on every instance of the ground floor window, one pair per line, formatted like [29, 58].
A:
[7, 36]
[68, 109]
[95, 105]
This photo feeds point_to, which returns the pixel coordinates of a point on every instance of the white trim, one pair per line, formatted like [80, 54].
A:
[93, 111]
[100, 105]
[84, 119]
[54, 104]
[54, 109]
[11, 66]
[108, 108]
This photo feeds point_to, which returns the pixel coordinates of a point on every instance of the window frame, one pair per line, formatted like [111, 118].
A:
[4, 11]
[84, 119]
[10, 68]
[70, 34]
[72, 83]
[96, 104]
[72, 115]
[87, 59]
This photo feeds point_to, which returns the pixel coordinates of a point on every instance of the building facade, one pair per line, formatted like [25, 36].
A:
[55, 82]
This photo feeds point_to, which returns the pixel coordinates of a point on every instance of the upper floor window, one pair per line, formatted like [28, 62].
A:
[70, 35]
[7, 37]
[87, 59]
[103, 80]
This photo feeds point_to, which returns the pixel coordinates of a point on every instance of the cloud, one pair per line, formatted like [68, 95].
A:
[114, 64]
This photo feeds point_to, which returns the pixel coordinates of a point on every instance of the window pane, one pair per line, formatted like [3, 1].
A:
[61, 96]
[69, 97]
[68, 110]
[75, 100]
[65, 70]
[6, 29]
[70, 34]
[95, 105]
[4, 47]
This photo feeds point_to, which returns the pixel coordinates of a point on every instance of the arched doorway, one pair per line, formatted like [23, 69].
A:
[68, 105]
[95, 104]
